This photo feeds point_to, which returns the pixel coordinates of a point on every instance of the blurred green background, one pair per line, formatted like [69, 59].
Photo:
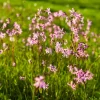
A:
[90, 9]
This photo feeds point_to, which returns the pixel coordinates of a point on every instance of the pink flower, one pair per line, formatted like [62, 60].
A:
[52, 68]
[1, 51]
[89, 23]
[4, 25]
[55, 14]
[72, 69]
[39, 83]
[43, 36]
[2, 35]
[32, 41]
[50, 18]
[58, 47]
[80, 75]
[48, 11]
[72, 85]
[43, 62]
[75, 38]
[17, 28]
[61, 13]
[48, 50]
[66, 52]
[88, 75]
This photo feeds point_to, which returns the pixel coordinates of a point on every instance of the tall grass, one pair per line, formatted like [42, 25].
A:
[48, 56]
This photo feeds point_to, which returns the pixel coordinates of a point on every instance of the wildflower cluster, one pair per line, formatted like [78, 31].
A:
[81, 76]
[47, 47]
[8, 31]
[49, 37]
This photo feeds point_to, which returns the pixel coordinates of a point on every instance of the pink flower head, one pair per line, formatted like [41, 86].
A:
[72, 85]
[52, 68]
[2, 35]
[48, 11]
[39, 83]
[50, 18]
[81, 76]
[89, 23]
[66, 52]
[58, 47]
[4, 25]
[61, 13]
[32, 40]
[56, 14]
[43, 62]
[1, 51]
[75, 38]
[17, 28]
[48, 50]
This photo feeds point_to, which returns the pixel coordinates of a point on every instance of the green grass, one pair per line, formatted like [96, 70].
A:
[12, 88]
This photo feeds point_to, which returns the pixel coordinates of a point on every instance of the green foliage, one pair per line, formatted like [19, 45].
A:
[12, 88]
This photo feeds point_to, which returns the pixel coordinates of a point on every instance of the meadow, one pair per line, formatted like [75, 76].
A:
[49, 50]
